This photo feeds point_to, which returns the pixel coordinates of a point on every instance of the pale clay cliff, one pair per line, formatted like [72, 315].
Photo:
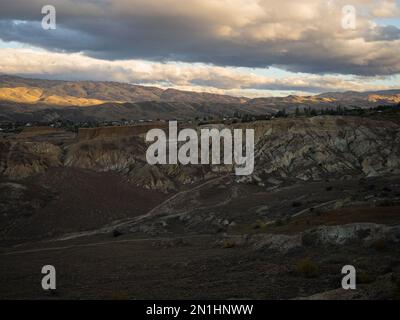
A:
[307, 149]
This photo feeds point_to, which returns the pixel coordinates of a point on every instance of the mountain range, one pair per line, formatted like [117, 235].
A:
[26, 99]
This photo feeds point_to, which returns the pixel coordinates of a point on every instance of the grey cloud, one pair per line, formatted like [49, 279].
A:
[64, 66]
[130, 30]
[386, 33]
[61, 39]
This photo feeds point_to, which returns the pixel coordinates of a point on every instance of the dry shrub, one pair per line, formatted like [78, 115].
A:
[228, 244]
[307, 268]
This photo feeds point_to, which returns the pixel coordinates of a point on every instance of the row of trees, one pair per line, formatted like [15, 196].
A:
[339, 110]
[312, 112]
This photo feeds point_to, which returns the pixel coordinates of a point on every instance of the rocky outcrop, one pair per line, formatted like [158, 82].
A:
[280, 242]
[106, 154]
[384, 288]
[127, 155]
[301, 148]
[358, 232]
[19, 160]
[325, 147]
[317, 148]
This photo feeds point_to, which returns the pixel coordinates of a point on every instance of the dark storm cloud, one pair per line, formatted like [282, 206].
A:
[297, 37]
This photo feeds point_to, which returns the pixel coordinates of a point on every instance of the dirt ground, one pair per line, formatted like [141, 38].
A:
[193, 267]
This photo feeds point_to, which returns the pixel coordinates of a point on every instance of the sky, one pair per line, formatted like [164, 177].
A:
[239, 47]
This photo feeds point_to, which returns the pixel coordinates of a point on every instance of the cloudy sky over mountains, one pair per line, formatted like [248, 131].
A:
[241, 47]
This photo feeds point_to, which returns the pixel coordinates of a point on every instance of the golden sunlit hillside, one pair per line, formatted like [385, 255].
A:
[36, 95]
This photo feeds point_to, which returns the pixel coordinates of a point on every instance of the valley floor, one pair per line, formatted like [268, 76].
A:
[250, 259]
[193, 268]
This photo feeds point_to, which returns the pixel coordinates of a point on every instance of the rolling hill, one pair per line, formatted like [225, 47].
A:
[25, 99]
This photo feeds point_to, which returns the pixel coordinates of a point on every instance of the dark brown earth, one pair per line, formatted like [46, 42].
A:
[199, 264]
[190, 268]
[73, 200]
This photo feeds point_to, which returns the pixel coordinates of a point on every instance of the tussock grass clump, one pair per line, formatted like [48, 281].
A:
[307, 268]
[228, 244]
[364, 277]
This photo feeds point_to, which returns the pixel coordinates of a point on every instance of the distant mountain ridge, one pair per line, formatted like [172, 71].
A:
[26, 99]
[104, 91]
